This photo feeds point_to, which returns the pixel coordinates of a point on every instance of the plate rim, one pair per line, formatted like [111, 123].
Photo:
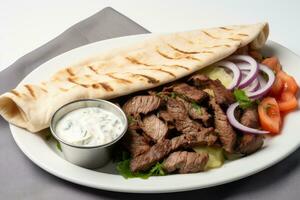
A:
[147, 190]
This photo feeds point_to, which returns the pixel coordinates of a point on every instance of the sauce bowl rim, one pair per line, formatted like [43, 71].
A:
[100, 101]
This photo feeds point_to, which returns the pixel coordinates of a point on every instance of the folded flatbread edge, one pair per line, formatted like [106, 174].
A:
[118, 72]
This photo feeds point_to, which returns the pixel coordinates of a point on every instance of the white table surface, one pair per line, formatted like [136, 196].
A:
[26, 25]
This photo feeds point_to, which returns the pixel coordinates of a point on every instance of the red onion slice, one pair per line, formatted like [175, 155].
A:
[261, 80]
[254, 86]
[264, 89]
[253, 69]
[235, 70]
[243, 66]
[235, 123]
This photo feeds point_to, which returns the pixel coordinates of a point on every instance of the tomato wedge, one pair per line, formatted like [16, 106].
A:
[269, 115]
[273, 63]
[277, 87]
[289, 82]
[287, 102]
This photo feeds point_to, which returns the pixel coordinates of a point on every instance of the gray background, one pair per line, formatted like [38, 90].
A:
[21, 179]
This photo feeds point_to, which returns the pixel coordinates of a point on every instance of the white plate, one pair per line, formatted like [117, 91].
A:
[45, 154]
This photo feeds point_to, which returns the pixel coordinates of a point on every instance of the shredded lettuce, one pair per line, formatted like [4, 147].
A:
[216, 72]
[123, 168]
[216, 157]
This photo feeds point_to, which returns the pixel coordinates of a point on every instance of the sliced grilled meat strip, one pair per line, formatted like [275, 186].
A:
[249, 142]
[162, 148]
[165, 116]
[185, 162]
[141, 104]
[176, 109]
[222, 95]
[196, 112]
[250, 117]
[190, 92]
[226, 133]
[134, 122]
[133, 125]
[200, 113]
[156, 153]
[203, 137]
[136, 144]
[154, 127]
[188, 126]
[184, 124]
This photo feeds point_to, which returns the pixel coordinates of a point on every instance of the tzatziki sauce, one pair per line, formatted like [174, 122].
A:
[89, 126]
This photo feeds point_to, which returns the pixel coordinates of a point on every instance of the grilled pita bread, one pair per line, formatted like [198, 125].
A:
[119, 72]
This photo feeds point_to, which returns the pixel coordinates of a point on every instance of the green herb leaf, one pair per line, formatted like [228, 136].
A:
[58, 146]
[242, 98]
[157, 170]
[196, 107]
[173, 95]
[166, 95]
[123, 168]
[131, 119]
[162, 95]
[257, 101]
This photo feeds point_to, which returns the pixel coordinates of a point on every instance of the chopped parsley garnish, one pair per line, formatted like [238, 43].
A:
[243, 99]
[162, 95]
[58, 146]
[131, 119]
[173, 95]
[196, 107]
[166, 95]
